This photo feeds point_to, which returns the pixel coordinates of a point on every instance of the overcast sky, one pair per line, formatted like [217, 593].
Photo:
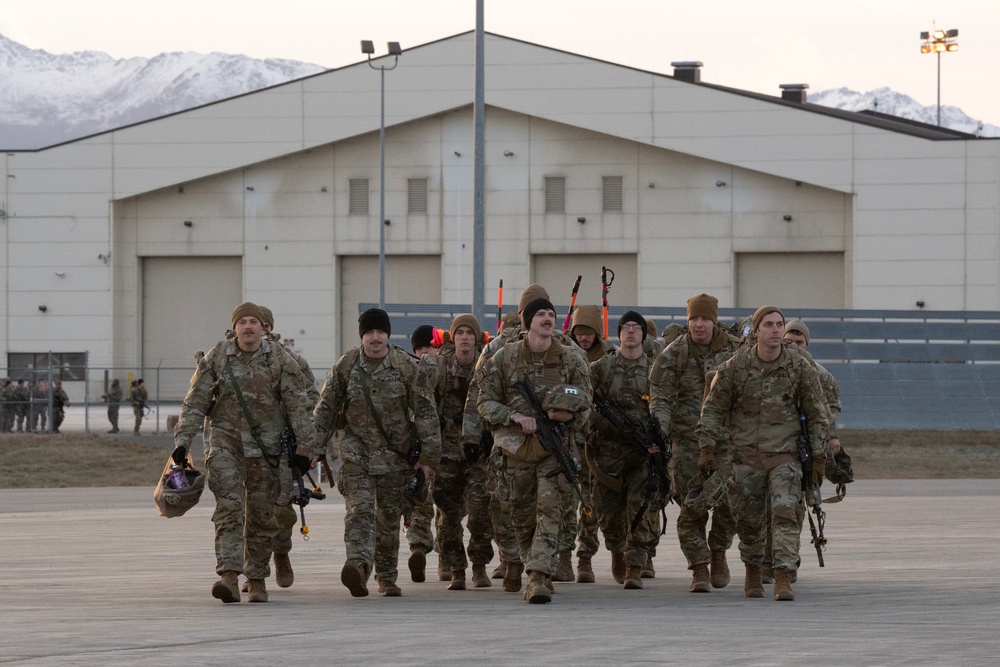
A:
[858, 44]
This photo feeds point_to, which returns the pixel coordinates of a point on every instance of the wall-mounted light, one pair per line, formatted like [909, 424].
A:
[786, 218]
[388, 222]
[61, 274]
[652, 185]
[920, 304]
[581, 220]
[324, 189]
[188, 223]
[104, 258]
[249, 188]
[180, 188]
[508, 153]
[720, 184]
[457, 154]
[43, 308]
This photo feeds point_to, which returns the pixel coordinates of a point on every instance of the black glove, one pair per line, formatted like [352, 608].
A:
[180, 455]
[471, 451]
[300, 462]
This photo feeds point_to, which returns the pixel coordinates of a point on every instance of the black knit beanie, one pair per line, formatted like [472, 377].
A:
[374, 318]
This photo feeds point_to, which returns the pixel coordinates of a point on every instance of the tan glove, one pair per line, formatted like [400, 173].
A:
[706, 462]
[818, 470]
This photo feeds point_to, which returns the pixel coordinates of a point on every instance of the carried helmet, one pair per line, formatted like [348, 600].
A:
[171, 502]
[707, 494]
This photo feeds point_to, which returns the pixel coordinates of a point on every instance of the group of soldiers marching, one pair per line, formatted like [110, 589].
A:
[540, 441]
[25, 406]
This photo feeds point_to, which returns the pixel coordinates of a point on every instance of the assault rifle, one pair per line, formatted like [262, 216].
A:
[643, 437]
[551, 434]
[813, 498]
[301, 495]
[416, 487]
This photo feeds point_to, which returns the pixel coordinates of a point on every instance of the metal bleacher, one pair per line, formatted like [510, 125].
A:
[897, 369]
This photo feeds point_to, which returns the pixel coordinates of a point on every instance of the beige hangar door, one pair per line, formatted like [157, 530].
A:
[790, 279]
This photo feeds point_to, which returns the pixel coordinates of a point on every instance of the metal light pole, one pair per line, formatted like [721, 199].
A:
[939, 41]
[368, 48]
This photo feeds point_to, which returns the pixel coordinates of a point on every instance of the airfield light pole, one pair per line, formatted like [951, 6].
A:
[939, 41]
[368, 48]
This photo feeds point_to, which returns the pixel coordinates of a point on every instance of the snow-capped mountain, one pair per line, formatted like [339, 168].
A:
[888, 101]
[46, 99]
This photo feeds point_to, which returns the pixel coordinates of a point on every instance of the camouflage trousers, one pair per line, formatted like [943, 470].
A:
[374, 509]
[137, 411]
[39, 417]
[284, 512]
[692, 523]
[58, 417]
[759, 495]
[460, 491]
[113, 416]
[615, 511]
[245, 489]
[580, 528]
[419, 535]
[503, 528]
[536, 504]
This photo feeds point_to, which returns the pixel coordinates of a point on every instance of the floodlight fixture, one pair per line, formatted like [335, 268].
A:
[939, 41]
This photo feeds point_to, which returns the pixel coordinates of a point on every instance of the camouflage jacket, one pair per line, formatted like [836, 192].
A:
[138, 396]
[115, 395]
[498, 399]
[60, 399]
[831, 389]
[626, 382]
[272, 387]
[404, 411]
[451, 388]
[755, 406]
[677, 383]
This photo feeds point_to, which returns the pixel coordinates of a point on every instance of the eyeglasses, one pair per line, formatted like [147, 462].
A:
[631, 327]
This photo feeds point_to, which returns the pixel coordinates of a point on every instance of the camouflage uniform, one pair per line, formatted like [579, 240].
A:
[754, 405]
[9, 403]
[535, 503]
[242, 470]
[677, 386]
[39, 406]
[59, 402]
[115, 395]
[459, 487]
[375, 469]
[138, 397]
[619, 469]
[22, 405]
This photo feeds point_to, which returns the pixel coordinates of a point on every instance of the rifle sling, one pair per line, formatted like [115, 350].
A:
[273, 461]
[601, 476]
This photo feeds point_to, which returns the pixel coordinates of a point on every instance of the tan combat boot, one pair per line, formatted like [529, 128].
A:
[564, 571]
[417, 563]
[783, 585]
[353, 576]
[256, 590]
[633, 577]
[500, 572]
[389, 589]
[479, 577]
[700, 579]
[752, 588]
[512, 579]
[720, 570]
[457, 581]
[227, 588]
[536, 592]
[584, 571]
[618, 566]
[283, 574]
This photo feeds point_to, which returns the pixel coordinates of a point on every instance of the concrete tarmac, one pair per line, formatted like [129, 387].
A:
[95, 577]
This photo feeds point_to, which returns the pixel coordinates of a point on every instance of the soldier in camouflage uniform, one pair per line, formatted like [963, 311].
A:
[618, 468]
[459, 487]
[677, 387]
[114, 399]
[284, 513]
[754, 404]
[22, 406]
[476, 434]
[138, 397]
[419, 536]
[60, 400]
[39, 411]
[8, 406]
[534, 501]
[797, 332]
[371, 393]
[651, 345]
[585, 330]
[243, 451]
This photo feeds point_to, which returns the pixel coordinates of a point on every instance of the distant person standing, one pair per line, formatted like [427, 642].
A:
[40, 406]
[59, 402]
[138, 396]
[114, 398]
[22, 406]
